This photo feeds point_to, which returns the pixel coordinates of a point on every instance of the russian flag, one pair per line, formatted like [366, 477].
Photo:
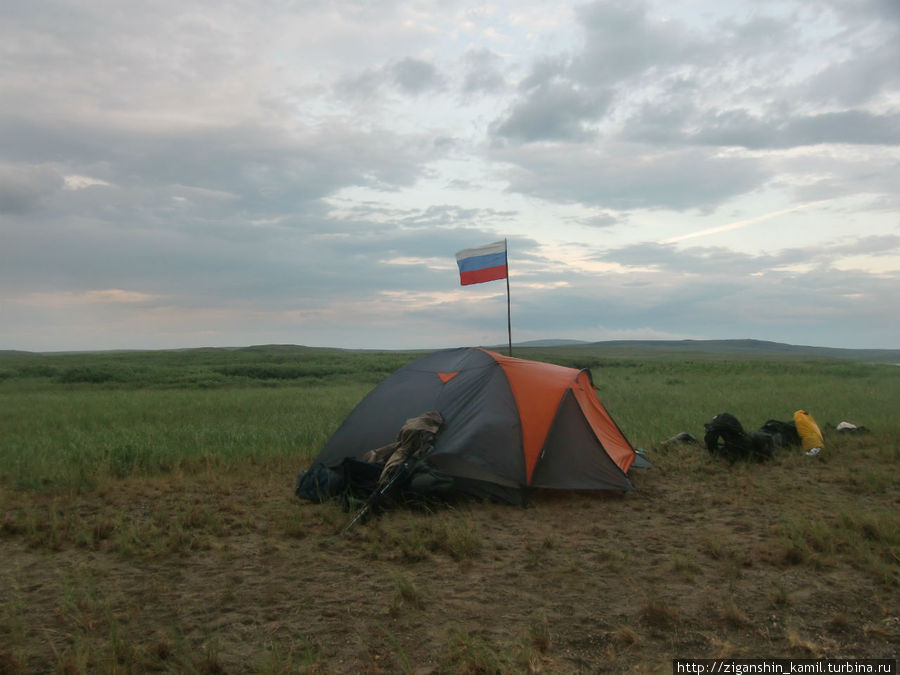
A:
[485, 263]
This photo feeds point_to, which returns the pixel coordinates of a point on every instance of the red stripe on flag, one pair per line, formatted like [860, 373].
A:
[480, 276]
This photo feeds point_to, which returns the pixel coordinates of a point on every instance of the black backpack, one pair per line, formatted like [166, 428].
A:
[783, 434]
[726, 438]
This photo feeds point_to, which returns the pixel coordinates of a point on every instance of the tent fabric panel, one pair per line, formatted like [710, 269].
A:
[449, 360]
[494, 492]
[482, 427]
[607, 431]
[375, 421]
[573, 458]
[407, 392]
[538, 389]
[460, 467]
[481, 423]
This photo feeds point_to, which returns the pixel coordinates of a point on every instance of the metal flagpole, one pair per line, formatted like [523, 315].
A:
[508, 315]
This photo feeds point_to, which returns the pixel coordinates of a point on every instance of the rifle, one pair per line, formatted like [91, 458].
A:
[377, 495]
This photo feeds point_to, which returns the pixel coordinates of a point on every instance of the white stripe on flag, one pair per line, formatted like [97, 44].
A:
[488, 249]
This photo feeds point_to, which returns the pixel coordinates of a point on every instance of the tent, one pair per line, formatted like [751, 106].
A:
[509, 424]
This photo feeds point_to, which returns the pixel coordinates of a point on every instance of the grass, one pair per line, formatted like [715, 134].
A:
[158, 412]
[76, 440]
[147, 524]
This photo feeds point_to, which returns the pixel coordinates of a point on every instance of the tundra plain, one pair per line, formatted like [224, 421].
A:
[148, 524]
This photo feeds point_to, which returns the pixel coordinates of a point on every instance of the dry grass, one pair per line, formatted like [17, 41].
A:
[228, 573]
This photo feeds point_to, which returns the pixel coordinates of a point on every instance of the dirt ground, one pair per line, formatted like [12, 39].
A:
[231, 574]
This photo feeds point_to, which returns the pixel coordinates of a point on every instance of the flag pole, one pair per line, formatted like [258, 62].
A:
[487, 263]
[508, 315]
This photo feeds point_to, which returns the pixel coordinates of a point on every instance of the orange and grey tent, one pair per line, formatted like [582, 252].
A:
[508, 423]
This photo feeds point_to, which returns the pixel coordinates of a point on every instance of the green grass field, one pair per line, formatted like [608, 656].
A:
[73, 421]
[147, 523]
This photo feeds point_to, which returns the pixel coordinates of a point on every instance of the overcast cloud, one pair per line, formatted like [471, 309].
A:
[199, 173]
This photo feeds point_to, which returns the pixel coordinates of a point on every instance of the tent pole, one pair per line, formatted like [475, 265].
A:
[508, 315]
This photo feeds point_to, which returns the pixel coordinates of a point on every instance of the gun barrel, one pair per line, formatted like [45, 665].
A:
[377, 495]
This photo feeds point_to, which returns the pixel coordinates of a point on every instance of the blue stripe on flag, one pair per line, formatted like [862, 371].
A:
[480, 262]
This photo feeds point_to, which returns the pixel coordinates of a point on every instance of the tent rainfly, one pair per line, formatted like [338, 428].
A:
[509, 424]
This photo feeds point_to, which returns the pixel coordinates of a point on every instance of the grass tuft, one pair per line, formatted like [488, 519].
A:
[447, 532]
[732, 616]
[406, 594]
[539, 636]
[658, 614]
[470, 653]
[624, 637]
[800, 645]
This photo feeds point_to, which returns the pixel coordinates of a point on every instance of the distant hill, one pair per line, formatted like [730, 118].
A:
[726, 347]
[709, 348]
[550, 343]
[13, 354]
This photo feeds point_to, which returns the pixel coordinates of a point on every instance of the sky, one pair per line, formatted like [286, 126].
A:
[187, 173]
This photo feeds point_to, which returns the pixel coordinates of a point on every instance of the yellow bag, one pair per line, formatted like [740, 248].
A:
[808, 430]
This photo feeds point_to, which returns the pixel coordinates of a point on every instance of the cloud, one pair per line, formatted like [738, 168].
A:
[108, 296]
[865, 69]
[685, 125]
[24, 188]
[740, 128]
[714, 291]
[719, 263]
[483, 72]
[870, 177]
[600, 220]
[415, 76]
[410, 76]
[268, 169]
[556, 111]
[629, 176]
[360, 87]
[622, 41]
